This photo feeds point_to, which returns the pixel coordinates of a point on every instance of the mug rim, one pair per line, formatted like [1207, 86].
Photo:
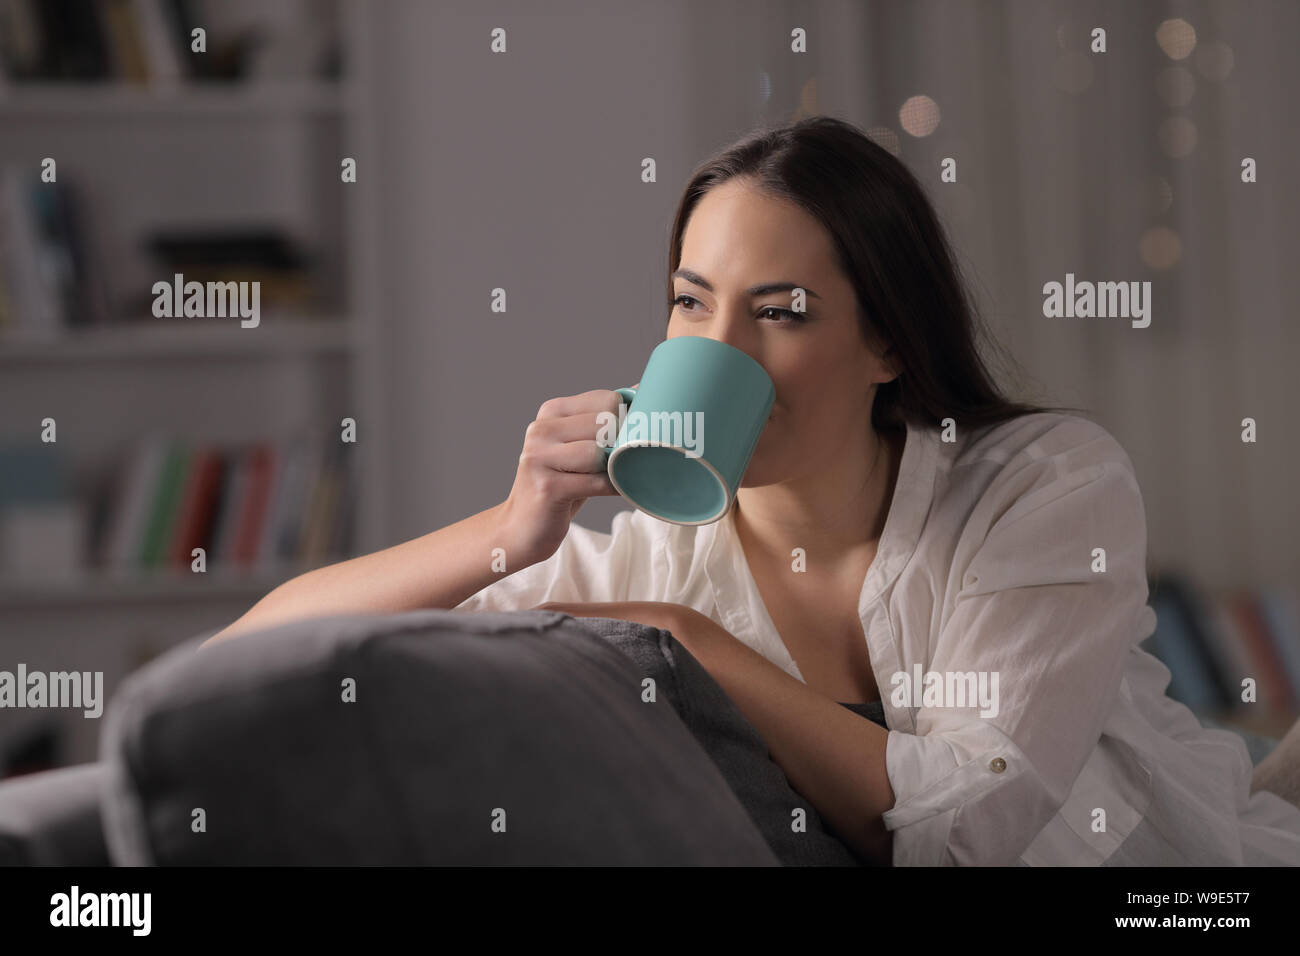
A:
[647, 443]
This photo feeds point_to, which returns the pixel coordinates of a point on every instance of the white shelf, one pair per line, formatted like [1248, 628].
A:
[105, 587]
[117, 100]
[178, 339]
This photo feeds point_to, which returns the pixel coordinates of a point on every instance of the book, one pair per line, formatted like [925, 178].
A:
[1274, 689]
[135, 490]
[286, 497]
[20, 39]
[195, 506]
[1283, 622]
[226, 523]
[34, 299]
[320, 522]
[253, 507]
[162, 510]
[1222, 627]
[289, 535]
[1193, 678]
[274, 488]
[87, 295]
[341, 542]
[165, 64]
[73, 44]
[125, 44]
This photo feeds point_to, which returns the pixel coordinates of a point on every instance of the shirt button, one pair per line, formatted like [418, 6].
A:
[997, 765]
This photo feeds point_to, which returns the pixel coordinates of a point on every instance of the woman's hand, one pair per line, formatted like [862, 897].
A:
[560, 467]
[686, 624]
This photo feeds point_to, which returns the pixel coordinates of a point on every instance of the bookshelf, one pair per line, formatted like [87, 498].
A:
[111, 102]
[100, 588]
[1213, 640]
[169, 154]
[284, 336]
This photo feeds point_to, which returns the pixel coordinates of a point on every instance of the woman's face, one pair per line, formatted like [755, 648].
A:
[825, 375]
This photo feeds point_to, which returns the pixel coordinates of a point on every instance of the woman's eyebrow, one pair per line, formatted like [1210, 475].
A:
[766, 288]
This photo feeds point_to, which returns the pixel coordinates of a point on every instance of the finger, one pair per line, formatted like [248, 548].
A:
[578, 427]
[577, 457]
[598, 399]
[572, 487]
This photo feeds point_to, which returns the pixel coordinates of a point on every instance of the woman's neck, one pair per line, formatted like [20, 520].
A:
[835, 513]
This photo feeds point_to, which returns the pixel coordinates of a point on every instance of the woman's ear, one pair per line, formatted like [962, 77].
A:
[889, 359]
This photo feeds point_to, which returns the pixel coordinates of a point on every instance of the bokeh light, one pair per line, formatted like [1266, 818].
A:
[1160, 247]
[1176, 37]
[919, 115]
[886, 137]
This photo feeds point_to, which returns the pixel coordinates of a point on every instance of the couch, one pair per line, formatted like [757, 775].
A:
[433, 737]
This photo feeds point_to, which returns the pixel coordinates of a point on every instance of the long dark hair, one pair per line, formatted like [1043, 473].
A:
[894, 251]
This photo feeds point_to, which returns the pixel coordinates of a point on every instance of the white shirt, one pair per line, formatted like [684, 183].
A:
[986, 564]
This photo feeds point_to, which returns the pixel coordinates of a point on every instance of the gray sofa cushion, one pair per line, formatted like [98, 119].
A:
[730, 740]
[52, 818]
[456, 714]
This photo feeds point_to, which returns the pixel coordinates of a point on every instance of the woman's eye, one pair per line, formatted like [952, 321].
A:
[787, 314]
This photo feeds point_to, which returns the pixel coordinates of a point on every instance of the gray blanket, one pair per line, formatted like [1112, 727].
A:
[730, 741]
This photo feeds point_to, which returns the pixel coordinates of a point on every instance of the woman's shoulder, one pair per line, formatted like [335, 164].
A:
[1066, 470]
[1053, 443]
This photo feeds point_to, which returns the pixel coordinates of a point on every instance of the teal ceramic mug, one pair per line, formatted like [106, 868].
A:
[688, 430]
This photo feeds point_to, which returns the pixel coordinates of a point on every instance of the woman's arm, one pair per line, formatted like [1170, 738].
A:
[560, 467]
[437, 570]
[832, 756]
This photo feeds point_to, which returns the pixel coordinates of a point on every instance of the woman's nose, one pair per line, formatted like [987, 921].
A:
[730, 328]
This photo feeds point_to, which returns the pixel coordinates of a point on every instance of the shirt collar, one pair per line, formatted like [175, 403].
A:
[909, 507]
[908, 510]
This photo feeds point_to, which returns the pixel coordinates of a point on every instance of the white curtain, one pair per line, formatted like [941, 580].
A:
[1123, 165]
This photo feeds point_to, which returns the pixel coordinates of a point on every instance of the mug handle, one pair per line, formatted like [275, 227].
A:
[626, 394]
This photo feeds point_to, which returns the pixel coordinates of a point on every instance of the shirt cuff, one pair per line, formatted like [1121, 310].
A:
[976, 770]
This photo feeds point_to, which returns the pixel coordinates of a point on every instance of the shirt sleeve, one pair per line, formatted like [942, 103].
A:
[1034, 609]
[588, 566]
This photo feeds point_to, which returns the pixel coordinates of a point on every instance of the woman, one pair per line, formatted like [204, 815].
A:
[903, 534]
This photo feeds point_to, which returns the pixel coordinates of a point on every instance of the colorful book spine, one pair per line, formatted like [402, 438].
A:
[196, 506]
[253, 511]
[257, 504]
[162, 519]
[222, 553]
[1274, 688]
